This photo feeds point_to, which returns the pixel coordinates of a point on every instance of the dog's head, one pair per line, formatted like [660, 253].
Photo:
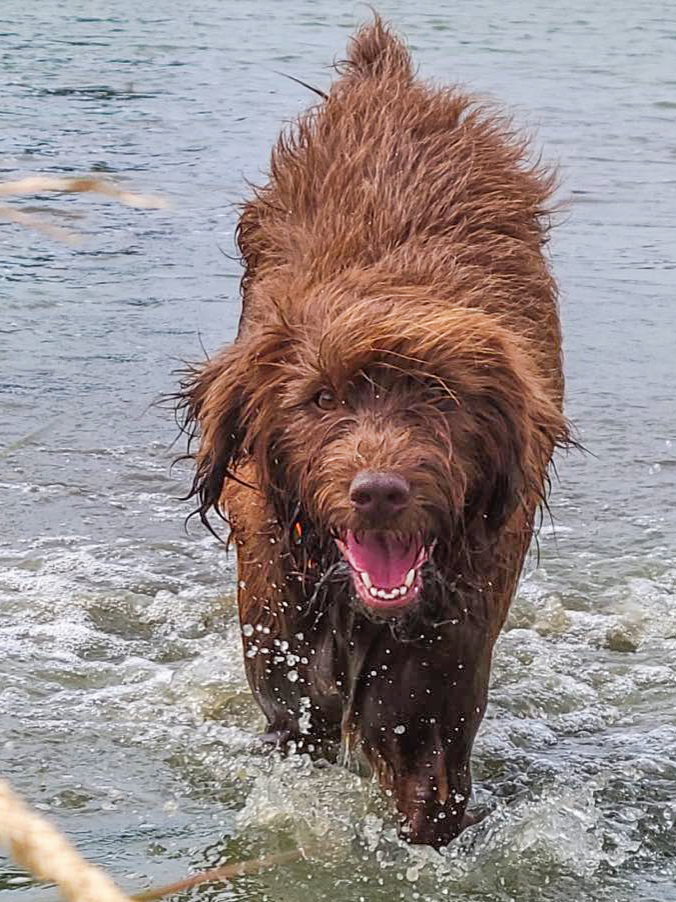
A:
[388, 431]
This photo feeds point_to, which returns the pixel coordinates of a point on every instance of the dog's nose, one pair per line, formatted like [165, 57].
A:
[379, 494]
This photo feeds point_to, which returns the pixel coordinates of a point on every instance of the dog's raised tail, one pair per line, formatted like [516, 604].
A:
[375, 50]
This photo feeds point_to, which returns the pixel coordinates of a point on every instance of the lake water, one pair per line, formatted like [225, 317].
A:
[124, 712]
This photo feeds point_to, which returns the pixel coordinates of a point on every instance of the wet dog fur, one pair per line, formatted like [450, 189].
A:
[399, 317]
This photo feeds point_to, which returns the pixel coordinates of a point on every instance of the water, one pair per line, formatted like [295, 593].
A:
[123, 707]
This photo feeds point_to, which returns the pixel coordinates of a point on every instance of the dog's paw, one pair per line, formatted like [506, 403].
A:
[276, 739]
[474, 817]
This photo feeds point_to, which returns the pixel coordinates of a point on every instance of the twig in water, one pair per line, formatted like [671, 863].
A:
[36, 184]
[88, 184]
[39, 848]
[220, 875]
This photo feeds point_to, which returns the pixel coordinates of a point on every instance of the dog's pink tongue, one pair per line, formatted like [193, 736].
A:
[386, 559]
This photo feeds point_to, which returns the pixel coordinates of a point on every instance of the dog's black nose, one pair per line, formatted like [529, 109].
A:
[379, 494]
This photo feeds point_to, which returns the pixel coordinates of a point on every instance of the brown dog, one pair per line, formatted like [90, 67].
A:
[379, 434]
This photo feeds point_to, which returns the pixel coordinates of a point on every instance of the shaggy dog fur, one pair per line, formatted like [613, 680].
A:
[379, 434]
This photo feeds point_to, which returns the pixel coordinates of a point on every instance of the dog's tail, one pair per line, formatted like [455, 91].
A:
[376, 51]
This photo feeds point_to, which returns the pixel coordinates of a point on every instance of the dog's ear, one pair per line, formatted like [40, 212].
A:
[224, 405]
[209, 410]
[498, 482]
[518, 427]
[501, 456]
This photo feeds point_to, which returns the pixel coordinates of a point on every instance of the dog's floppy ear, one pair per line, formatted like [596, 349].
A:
[209, 409]
[222, 406]
[502, 478]
[519, 426]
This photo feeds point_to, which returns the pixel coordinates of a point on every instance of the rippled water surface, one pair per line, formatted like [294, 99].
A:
[123, 707]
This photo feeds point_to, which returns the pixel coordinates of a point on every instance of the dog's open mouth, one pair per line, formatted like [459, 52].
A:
[385, 567]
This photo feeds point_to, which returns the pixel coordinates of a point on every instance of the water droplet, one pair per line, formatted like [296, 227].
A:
[399, 729]
[247, 630]
[292, 676]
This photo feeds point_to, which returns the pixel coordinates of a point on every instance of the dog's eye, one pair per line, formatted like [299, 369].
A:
[326, 400]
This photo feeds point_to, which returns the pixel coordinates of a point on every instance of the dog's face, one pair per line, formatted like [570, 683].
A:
[378, 467]
[399, 431]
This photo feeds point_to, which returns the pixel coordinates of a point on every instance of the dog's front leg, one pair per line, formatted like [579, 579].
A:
[433, 792]
[417, 723]
[291, 669]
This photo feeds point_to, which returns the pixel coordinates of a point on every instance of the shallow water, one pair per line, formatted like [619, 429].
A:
[123, 708]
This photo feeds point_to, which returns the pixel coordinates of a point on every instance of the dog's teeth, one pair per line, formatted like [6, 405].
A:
[387, 594]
